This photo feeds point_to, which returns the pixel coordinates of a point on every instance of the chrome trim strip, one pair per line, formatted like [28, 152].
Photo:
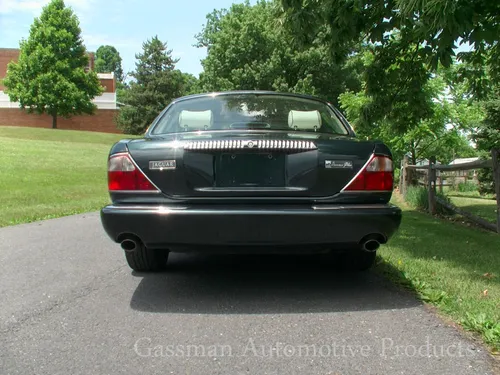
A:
[135, 164]
[169, 209]
[145, 208]
[359, 172]
[366, 191]
[266, 144]
[258, 189]
[350, 207]
[118, 154]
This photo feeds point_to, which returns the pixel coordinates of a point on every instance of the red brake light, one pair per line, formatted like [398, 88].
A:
[377, 175]
[124, 176]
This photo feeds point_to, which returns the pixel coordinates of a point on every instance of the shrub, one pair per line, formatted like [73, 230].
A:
[397, 174]
[466, 187]
[486, 184]
[418, 198]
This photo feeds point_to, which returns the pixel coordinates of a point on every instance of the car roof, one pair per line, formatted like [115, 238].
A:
[251, 92]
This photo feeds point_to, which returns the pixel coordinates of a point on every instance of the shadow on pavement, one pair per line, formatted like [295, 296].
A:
[253, 284]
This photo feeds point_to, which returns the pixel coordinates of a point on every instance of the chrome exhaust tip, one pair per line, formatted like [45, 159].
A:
[371, 245]
[129, 245]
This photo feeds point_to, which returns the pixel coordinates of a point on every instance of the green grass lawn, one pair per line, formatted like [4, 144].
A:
[467, 194]
[484, 208]
[451, 266]
[46, 173]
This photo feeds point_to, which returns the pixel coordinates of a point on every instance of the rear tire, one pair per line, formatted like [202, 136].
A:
[144, 259]
[358, 260]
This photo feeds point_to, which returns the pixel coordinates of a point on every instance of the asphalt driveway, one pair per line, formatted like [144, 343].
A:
[70, 305]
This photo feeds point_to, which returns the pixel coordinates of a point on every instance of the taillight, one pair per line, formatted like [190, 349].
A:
[377, 175]
[124, 176]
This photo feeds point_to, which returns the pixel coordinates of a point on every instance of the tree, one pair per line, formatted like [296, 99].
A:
[436, 24]
[191, 84]
[487, 137]
[108, 60]
[50, 75]
[409, 39]
[155, 83]
[488, 132]
[247, 49]
[481, 92]
[443, 132]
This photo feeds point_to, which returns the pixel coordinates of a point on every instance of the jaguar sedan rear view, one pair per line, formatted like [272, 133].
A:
[249, 172]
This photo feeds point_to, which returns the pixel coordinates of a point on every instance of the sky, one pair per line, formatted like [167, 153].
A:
[125, 24]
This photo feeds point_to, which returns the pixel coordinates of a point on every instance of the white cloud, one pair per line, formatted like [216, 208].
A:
[34, 6]
[10, 6]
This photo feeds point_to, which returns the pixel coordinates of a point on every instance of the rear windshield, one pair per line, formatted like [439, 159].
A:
[249, 111]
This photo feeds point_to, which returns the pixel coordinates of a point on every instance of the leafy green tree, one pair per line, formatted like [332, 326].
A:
[247, 49]
[485, 178]
[481, 91]
[155, 84]
[488, 133]
[435, 24]
[408, 38]
[191, 84]
[108, 60]
[487, 137]
[50, 75]
[443, 133]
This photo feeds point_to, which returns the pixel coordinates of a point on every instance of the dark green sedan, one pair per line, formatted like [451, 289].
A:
[250, 172]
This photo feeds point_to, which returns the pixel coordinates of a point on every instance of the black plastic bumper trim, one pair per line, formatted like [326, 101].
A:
[256, 225]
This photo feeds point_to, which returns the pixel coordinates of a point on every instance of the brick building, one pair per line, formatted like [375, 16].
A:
[102, 120]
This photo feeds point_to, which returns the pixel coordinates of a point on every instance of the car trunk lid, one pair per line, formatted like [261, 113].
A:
[251, 164]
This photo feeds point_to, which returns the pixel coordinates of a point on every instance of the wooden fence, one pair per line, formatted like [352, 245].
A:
[408, 177]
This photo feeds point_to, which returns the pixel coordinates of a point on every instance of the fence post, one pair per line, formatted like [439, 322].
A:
[496, 178]
[404, 178]
[431, 185]
[400, 182]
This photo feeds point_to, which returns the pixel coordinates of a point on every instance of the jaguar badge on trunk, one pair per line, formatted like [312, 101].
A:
[162, 164]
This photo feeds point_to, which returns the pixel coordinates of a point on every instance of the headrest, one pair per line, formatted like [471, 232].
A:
[201, 120]
[304, 120]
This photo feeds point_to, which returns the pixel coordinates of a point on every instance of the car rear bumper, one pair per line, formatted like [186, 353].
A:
[215, 227]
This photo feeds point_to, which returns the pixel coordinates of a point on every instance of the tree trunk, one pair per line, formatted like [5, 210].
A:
[413, 154]
[54, 121]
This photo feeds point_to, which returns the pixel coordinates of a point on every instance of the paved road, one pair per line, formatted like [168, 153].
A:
[70, 305]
